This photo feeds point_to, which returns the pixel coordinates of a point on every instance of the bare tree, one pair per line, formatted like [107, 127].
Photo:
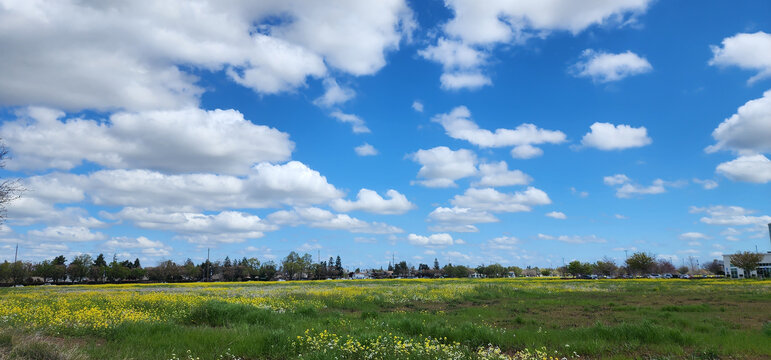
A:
[10, 189]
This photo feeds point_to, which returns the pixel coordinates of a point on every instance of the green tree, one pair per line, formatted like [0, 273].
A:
[640, 263]
[190, 271]
[267, 271]
[292, 265]
[747, 261]
[5, 272]
[117, 272]
[576, 268]
[79, 267]
[401, 269]
[606, 267]
[19, 272]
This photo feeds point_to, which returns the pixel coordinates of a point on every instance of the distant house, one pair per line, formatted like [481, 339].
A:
[764, 268]
[477, 275]
[360, 276]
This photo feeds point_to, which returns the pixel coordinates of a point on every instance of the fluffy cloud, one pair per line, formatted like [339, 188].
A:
[617, 179]
[457, 219]
[730, 216]
[417, 106]
[476, 28]
[464, 80]
[365, 150]
[460, 63]
[65, 234]
[224, 227]
[526, 151]
[324, 219]
[454, 55]
[369, 201]
[189, 140]
[748, 131]
[498, 174]
[747, 51]
[458, 125]
[557, 215]
[267, 185]
[751, 168]
[137, 246]
[76, 55]
[334, 94]
[441, 166]
[433, 241]
[29, 210]
[502, 243]
[604, 67]
[506, 21]
[629, 188]
[606, 136]
[356, 122]
[489, 199]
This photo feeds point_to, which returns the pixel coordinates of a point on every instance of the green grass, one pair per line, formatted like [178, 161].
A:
[597, 319]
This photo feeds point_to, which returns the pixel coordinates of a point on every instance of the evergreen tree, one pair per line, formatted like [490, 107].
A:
[436, 264]
[59, 260]
[99, 262]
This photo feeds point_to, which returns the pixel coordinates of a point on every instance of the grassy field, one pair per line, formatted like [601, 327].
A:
[409, 319]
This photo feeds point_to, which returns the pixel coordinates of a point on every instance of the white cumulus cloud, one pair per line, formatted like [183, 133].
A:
[439, 240]
[75, 55]
[489, 199]
[365, 150]
[605, 67]
[188, 140]
[557, 215]
[750, 168]
[606, 136]
[325, 219]
[369, 201]
[441, 166]
[748, 131]
[746, 51]
[459, 125]
[498, 174]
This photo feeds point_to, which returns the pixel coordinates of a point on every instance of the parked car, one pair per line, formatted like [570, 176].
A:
[667, 276]
[654, 276]
[685, 276]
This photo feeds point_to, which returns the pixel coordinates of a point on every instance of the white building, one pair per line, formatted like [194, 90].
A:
[764, 268]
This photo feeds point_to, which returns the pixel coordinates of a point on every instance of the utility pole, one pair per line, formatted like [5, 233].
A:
[626, 256]
[16, 254]
[208, 264]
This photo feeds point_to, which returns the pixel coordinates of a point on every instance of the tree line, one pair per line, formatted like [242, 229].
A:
[86, 269]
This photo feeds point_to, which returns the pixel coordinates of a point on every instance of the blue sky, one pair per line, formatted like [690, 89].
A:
[520, 132]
